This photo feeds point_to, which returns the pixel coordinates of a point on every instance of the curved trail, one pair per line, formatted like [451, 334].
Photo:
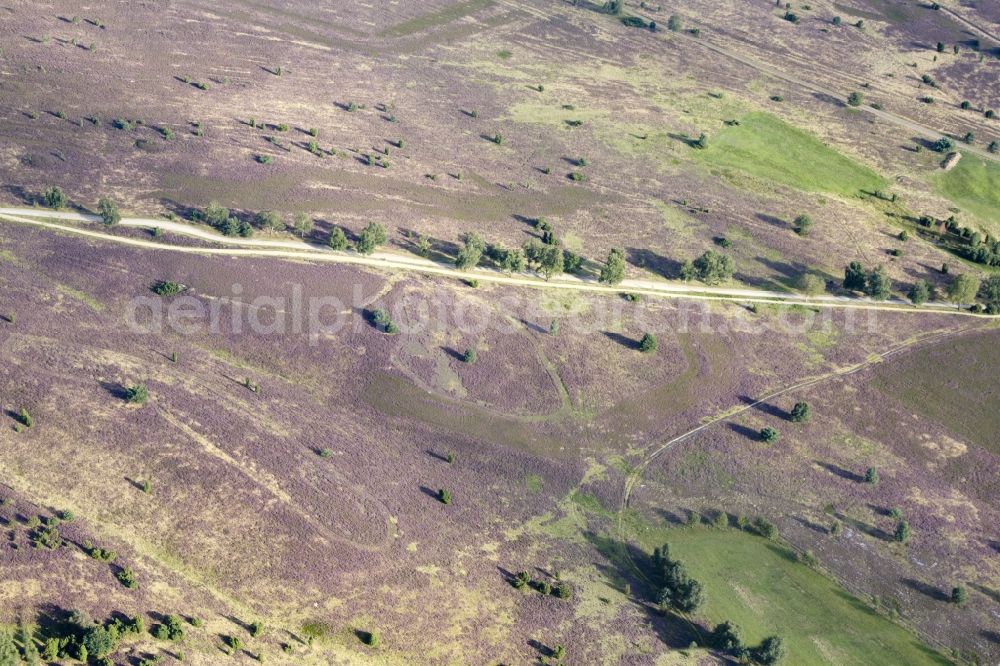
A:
[636, 475]
[299, 250]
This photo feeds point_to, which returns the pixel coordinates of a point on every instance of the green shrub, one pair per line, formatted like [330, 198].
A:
[127, 578]
[648, 343]
[137, 394]
[444, 496]
[470, 355]
[55, 198]
[769, 435]
[108, 210]
[801, 412]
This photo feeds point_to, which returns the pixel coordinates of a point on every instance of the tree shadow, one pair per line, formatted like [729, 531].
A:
[652, 261]
[767, 408]
[991, 593]
[808, 524]
[454, 353]
[925, 589]
[829, 99]
[115, 389]
[623, 340]
[670, 516]
[430, 493]
[531, 326]
[135, 484]
[435, 454]
[744, 431]
[840, 471]
[870, 530]
[772, 220]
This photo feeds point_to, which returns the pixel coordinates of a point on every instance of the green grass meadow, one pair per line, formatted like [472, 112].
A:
[974, 185]
[766, 147]
[758, 585]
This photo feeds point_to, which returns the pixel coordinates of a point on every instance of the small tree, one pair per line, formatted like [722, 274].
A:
[470, 355]
[648, 344]
[337, 240]
[770, 651]
[963, 288]
[613, 272]
[959, 595]
[855, 276]
[801, 412]
[471, 252]
[878, 285]
[802, 225]
[837, 528]
[371, 237]
[674, 23]
[268, 219]
[444, 496]
[55, 198]
[920, 292]
[902, 533]
[855, 99]
[769, 435]
[108, 211]
[303, 225]
[871, 476]
[137, 394]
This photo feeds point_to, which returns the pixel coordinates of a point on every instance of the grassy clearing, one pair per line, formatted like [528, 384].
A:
[756, 584]
[771, 149]
[974, 185]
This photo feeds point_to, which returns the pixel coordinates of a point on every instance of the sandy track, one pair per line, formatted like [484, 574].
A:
[299, 250]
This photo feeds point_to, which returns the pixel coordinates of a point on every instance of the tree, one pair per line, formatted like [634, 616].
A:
[268, 219]
[471, 252]
[613, 272]
[727, 637]
[994, 147]
[98, 641]
[137, 394]
[9, 655]
[470, 355]
[371, 237]
[943, 145]
[855, 276]
[444, 496]
[513, 261]
[713, 267]
[990, 290]
[837, 528]
[878, 285]
[963, 288]
[29, 650]
[303, 224]
[902, 533]
[920, 292]
[337, 240]
[55, 197]
[765, 527]
[648, 344]
[940, 47]
[871, 476]
[855, 99]
[959, 595]
[770, 651]
[769, 435]
[810, 284]
[552, 261]
[108, 211]
[674, 23]
[802, 225]
[801, 412]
